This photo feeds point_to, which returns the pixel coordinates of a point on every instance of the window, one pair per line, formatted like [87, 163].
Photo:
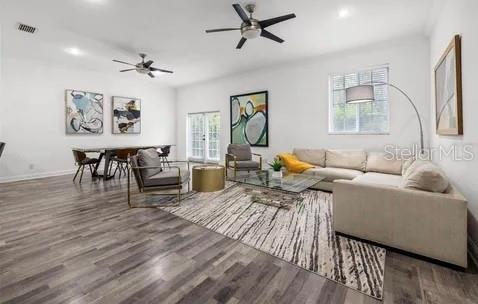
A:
[361, 118]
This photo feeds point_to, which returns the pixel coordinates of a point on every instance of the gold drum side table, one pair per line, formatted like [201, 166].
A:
[208, 178]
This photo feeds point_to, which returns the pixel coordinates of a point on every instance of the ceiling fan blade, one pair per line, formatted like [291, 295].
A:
[127, 70]
[241, 43]
[119, 61]
[271, 36]
[148, 63]
[272, 21]
[160, 70]
[222, 30]
[241, 13]
[151, 75]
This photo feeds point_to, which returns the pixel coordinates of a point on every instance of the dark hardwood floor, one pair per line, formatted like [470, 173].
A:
[62, 242]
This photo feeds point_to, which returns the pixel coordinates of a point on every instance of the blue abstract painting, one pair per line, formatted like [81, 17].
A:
[84, 112]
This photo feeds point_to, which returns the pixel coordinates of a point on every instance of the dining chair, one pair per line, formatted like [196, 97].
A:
[121, 160]
[163, 155]
[81, 160]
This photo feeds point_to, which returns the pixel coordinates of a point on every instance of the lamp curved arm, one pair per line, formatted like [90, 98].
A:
[411, 103]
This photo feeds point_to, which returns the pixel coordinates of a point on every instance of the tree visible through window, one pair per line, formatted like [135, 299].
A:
[362, 118]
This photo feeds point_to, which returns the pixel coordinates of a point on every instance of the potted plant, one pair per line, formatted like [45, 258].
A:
[276, 166]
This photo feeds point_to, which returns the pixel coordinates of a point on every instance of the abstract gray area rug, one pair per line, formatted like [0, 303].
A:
[302, 235]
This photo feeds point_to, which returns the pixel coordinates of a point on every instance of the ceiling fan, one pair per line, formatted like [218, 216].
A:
[143, 67]
[251, 28]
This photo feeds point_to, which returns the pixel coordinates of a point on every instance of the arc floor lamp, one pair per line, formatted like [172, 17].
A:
[365, 93]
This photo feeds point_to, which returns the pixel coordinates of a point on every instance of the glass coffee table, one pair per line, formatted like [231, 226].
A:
[278, 192]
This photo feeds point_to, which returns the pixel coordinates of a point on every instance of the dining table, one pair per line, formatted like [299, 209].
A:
[107, 152]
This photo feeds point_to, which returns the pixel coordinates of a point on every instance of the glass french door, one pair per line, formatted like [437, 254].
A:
[203, 139]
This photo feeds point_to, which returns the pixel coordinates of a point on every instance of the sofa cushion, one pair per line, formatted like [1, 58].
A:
[425, 176]
[379, 178]
[149, 158]
[292, 164]
[242, 152]
[166, 178]
[347, 159]
[332, 174]
[246, 164]
[383, 163]
[312, 156]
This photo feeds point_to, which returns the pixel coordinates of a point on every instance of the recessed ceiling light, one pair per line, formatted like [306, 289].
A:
[74, 51]
[344, 13]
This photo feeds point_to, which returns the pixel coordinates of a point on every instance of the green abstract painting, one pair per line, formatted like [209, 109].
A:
[249, 119]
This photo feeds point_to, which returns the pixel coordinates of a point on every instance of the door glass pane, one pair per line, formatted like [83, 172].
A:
[213, 124]
[196, 133]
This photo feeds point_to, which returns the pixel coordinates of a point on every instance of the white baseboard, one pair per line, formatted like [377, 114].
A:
[35, 176]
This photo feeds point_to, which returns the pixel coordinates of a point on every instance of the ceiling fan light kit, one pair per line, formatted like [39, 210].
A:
[252, 28]
[143, 67]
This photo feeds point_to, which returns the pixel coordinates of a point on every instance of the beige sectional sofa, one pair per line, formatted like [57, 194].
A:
[378, 199]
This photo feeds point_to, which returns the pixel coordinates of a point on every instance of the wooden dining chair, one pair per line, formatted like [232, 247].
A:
[81, 160]
[121, 161]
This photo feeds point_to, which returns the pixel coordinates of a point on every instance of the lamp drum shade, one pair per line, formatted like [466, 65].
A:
[359, 94]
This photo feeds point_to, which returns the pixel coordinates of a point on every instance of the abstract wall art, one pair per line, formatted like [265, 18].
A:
[249, 119]
[448, 91]
[84, 112]
[126, 115]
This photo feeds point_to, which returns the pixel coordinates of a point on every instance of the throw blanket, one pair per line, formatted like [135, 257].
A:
[293, 164]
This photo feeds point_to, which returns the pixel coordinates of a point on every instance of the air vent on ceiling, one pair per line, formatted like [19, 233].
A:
[26, 28]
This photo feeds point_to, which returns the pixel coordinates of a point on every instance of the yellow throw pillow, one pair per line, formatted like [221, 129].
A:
[292, 164]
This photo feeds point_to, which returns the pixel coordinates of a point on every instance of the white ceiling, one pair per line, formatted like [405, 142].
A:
[172, 32]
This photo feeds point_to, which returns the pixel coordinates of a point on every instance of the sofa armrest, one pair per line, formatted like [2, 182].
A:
[426, 223]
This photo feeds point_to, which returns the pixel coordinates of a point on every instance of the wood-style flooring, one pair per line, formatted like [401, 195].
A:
[62, 242]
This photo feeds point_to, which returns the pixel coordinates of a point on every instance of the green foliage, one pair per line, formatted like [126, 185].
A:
[276, 165]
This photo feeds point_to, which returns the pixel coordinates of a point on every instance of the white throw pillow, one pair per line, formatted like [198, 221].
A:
[406, 163]
[425, 176]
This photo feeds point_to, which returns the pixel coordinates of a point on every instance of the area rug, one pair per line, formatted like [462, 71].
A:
[302, 235]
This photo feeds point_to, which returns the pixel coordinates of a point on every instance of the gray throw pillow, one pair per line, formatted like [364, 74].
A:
[149, 158]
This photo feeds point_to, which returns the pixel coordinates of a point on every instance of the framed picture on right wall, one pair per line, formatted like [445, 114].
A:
[448, 91]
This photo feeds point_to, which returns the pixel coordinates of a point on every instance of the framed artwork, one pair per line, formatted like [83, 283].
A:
[126, 115]
[84, 112]
[448, 91]
[249, 119]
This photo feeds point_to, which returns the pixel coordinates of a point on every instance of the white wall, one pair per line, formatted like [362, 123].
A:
[459, 17]
[33, 115]
[298, 97]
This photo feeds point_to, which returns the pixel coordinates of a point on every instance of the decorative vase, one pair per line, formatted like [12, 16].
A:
[277, 174]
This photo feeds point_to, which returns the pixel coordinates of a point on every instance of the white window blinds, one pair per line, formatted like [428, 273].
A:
[362, 118]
